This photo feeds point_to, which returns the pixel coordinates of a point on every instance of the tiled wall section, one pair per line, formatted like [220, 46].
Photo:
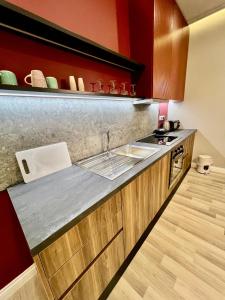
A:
[28, 122]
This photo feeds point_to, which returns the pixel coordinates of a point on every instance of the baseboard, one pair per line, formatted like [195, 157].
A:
[213, 168]
[18, 283]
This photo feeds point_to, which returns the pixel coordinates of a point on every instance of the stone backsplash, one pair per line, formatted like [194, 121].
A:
[31, 121]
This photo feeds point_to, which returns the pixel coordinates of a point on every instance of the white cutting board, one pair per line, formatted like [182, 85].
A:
[38, 162]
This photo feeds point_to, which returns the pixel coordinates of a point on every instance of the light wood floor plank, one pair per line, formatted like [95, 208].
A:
[184, 255]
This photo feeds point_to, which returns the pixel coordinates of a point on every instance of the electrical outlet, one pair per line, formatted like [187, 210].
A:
[162, 118]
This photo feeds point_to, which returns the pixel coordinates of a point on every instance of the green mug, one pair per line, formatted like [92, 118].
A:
[52, 82]
[8, 77]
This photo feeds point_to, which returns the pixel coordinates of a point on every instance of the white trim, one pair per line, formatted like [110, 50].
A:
[218, 169]
[213, 168]
[16, 284]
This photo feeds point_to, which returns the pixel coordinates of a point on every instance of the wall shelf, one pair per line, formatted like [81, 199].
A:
[11, 90]
[27, 24]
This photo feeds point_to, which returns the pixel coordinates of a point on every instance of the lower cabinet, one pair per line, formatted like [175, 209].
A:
[142, 199]
[65, 260]
[188, 149]
[94, 281]
[81, 263]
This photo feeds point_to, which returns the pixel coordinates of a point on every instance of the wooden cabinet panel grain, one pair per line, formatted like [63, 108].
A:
[159, 40]
[188, 151]
[141, 200]
[64, 248]
[94, 281]
[180, 43]
[163, 47]
[73, 268]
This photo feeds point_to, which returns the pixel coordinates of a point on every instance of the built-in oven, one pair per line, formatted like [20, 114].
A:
[177, 163]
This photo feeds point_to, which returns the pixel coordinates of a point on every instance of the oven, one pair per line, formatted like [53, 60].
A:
[177, 163]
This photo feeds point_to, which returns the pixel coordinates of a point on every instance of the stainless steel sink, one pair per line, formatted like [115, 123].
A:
[118, 161]
[135, 151]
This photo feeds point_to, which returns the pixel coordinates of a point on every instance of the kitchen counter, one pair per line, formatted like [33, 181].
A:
[49, 206]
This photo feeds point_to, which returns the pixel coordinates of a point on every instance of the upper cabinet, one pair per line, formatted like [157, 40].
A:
[159, 39]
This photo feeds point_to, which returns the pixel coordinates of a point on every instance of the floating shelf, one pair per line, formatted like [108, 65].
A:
[25, 23]
[60, 93]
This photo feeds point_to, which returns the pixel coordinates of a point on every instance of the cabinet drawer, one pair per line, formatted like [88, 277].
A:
[94, 281]
[73, 268]
[64, 248]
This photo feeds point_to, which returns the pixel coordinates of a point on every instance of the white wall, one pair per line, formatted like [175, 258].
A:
[204, 104]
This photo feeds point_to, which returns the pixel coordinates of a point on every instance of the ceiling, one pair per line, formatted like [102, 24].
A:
[194, 10]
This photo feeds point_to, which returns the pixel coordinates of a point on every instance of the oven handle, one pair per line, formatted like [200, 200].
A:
[178, 155]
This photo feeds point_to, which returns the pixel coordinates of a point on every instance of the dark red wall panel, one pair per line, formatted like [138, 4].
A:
[98, 20]
[14, 252]
[21, 55]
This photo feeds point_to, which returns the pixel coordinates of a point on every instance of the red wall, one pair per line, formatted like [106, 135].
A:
[14, 253]
[103, 21]
[21, 55]
[163, 111]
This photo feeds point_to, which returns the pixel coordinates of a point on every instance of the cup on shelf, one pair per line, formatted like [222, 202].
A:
[112, 87]
[100, 87]
[123, 90]
[133, 90]
[8, 77]
[52, 82]
[80, 84]
[93, 84]
[72, 83]
[37, 79]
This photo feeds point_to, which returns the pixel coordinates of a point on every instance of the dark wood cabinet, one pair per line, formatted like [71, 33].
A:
[159, 39]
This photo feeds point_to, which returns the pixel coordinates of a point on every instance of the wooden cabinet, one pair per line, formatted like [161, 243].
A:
[188, 148]
[159, 39]
[70, 255]
[162, 49]
[97, 277]
[142, 199]
[180, 43]
[81, 263]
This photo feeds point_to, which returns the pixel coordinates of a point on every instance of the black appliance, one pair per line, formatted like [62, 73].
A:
[159, 139]
[177, 163]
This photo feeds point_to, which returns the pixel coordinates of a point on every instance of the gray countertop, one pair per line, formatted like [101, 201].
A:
[49, 206]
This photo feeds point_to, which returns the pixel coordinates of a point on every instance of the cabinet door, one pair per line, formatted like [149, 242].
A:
[162, 51]
[94, 281]
[142, 199]
[188, 148]
[180, 42]
[171, 38]
[69, 256]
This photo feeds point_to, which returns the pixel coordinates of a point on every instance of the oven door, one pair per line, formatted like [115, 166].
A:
[177, 162]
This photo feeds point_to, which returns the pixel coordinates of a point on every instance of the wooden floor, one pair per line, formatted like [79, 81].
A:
[184, 255]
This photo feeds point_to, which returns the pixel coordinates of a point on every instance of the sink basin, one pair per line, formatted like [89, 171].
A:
[136, 151]
[118, 161]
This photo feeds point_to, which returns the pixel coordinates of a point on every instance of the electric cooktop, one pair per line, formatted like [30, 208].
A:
[159, 139]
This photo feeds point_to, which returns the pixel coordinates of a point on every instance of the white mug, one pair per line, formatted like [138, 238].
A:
[81, 84]
[37, 79]
[72, 83]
